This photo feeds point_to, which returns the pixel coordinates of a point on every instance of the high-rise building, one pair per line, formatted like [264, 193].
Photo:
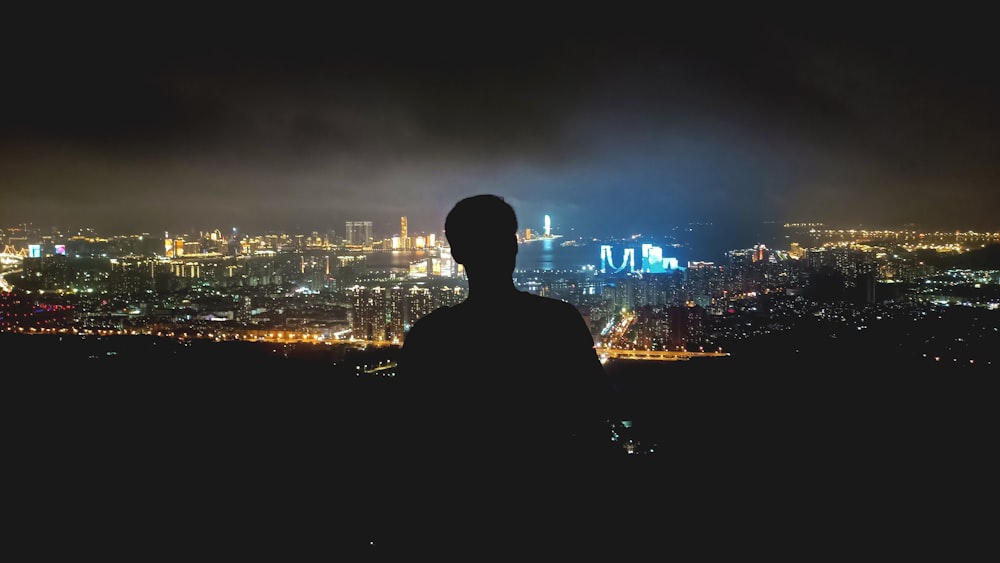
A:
[608, 263]
[368, 313]
[359, 233]
[686, 325]
[131, 276]
[402, 233]
[378, 313]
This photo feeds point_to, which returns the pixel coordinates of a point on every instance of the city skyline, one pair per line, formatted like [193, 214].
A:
[689, 243]
[617, 125]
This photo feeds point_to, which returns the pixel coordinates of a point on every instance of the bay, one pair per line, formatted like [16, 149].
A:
[702, 243]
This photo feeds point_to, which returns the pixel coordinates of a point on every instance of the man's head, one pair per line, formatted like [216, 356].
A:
[482, 232]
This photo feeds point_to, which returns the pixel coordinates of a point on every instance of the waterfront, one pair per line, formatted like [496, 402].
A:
[702, 244]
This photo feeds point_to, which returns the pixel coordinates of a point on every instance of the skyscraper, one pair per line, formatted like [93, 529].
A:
[405, 240]
[359, 232]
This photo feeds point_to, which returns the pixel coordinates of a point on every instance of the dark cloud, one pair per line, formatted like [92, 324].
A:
[301, 121]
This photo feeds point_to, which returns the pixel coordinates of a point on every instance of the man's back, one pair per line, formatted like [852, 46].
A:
[501, 421]
[517, 376]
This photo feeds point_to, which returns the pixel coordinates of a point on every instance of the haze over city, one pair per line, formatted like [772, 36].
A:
[611, 124]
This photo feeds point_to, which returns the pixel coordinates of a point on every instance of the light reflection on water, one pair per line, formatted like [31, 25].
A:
[536, 255]
[545, 255]
[550, 254]
[541, 255]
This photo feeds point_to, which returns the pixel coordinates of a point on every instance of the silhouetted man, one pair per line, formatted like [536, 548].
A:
[506, 403]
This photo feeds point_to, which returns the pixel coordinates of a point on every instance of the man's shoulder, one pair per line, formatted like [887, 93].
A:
[549, 305]
[435, 318]
[425, 331]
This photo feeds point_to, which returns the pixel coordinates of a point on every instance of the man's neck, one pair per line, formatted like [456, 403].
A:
[492, 290]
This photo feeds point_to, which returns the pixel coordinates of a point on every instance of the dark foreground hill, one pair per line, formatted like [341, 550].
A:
[226, 452]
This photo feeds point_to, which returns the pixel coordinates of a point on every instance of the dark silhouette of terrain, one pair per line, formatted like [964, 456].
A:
[219, 450]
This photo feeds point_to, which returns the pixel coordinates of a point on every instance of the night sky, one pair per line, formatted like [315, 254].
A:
[610, 123]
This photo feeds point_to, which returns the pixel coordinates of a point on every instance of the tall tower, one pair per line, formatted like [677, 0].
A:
[402, 233]
[358, 232]
[548, 227]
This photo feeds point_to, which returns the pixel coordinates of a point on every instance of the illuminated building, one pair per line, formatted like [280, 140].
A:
[131, 276]
[186, 269]
[796, 251]
[440, 266]
[359, 233]
[419, 268]
[652, 261]
[368, 313]
[620, 295]
[53, 270]
[378, 313]
[530, 235]
[705, 284]
[418, 304]
[759, 253]
[607, 260]
[395, 313]
[686, 325]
